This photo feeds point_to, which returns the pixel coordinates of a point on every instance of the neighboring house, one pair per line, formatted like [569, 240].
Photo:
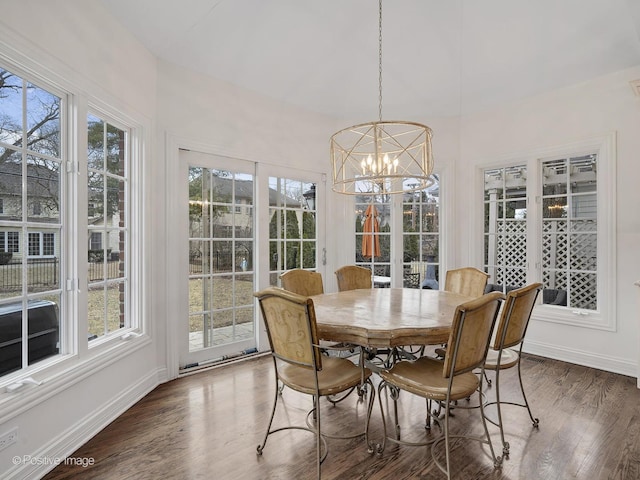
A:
[42, 208]
[43, 194]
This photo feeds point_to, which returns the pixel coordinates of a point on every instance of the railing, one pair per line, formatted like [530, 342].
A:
[220, 262]
[45, 273]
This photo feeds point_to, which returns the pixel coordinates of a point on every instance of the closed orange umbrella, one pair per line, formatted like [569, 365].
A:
[370, 237]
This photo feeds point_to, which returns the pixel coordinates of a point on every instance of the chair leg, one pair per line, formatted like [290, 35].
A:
[505, 445]
[446, 439]
[273, 411]
[524, 396]
[316, 402]
[497, 461]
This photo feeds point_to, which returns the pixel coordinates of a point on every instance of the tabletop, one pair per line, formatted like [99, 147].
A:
[386, 317]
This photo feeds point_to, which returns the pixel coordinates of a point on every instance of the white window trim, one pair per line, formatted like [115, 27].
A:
[605, 147]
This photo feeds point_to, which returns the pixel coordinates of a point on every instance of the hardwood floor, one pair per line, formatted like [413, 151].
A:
[207, 426]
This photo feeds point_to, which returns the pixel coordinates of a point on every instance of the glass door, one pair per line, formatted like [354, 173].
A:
[221, 279]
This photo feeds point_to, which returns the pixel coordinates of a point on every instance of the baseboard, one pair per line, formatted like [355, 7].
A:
[582, 357]
[82, 431]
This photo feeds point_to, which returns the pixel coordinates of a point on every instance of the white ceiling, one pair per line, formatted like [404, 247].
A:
[440, 57]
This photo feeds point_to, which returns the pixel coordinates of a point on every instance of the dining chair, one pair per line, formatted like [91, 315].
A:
[448, 380]
[308, 283]
[353, 277]
[298, 363]
[302, 282]
[467, 281]
[510, 333]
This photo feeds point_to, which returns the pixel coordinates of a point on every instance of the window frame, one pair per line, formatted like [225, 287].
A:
[75, 360]
[604, 146]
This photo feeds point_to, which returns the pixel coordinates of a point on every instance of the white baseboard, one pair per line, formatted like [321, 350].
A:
[86, 428]
[582, 357]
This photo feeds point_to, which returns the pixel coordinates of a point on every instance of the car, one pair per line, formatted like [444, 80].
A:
[43, 333]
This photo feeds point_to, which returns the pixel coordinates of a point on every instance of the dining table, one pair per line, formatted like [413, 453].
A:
[386, 317]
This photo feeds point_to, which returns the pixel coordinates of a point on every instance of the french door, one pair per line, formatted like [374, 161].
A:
[221, 257]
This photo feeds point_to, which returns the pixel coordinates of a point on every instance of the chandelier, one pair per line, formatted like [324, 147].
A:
[383, 156]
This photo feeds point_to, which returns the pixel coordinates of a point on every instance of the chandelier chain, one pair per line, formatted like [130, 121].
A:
[380, 60]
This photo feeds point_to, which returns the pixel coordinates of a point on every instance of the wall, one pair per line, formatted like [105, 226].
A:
[564, 116]
[75, 43]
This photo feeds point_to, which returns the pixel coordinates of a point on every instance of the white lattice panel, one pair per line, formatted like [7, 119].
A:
[584, 251]
[583, 291]
[588, 225]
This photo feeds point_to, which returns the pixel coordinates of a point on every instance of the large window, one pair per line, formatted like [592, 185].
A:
[31, 166]
[550, 220]
[107, 220]
[408, 230]
[42, 250]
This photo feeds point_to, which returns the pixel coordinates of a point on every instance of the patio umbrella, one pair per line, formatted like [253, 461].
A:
[370, 237]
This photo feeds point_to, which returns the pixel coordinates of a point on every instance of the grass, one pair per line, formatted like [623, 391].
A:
[218, 293]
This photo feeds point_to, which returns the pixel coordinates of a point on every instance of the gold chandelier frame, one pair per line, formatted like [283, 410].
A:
[384, 156]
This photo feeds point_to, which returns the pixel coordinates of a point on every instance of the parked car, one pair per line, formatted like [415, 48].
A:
[43, 333]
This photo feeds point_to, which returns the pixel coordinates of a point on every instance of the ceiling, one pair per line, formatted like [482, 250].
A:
[440, 57]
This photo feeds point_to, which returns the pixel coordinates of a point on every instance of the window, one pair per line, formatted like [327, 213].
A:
[505, 226]
[41, 244]
[565, 241]
[38, 177]
[292, 227]
[373, 236]
[107, 198]
[9, 242]
[415, 240]
[31, 160]
[421, 237]
[569, 232]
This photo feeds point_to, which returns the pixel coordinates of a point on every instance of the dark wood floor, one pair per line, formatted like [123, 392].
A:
[207, 426]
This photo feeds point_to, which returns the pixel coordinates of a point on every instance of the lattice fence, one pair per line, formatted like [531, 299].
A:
[569, 255]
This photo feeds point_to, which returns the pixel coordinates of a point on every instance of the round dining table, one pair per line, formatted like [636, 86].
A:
[386, 317]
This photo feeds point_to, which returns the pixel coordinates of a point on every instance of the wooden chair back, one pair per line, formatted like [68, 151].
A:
[353, 277]
[467, 281]
[470, 334]
[515, 316]
[291, 326]
[302, 282]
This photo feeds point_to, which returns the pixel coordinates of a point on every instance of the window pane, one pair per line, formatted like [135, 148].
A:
[43, 121]
[96, 142]
[421, 227]
[115, 158]
[292, 226]
[11, 184]
[569, 248]
[11, 129]
[43, 190]
[505, 226]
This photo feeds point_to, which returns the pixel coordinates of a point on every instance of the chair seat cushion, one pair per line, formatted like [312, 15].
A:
[337, 375]
[424, 377]
[509, 359]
